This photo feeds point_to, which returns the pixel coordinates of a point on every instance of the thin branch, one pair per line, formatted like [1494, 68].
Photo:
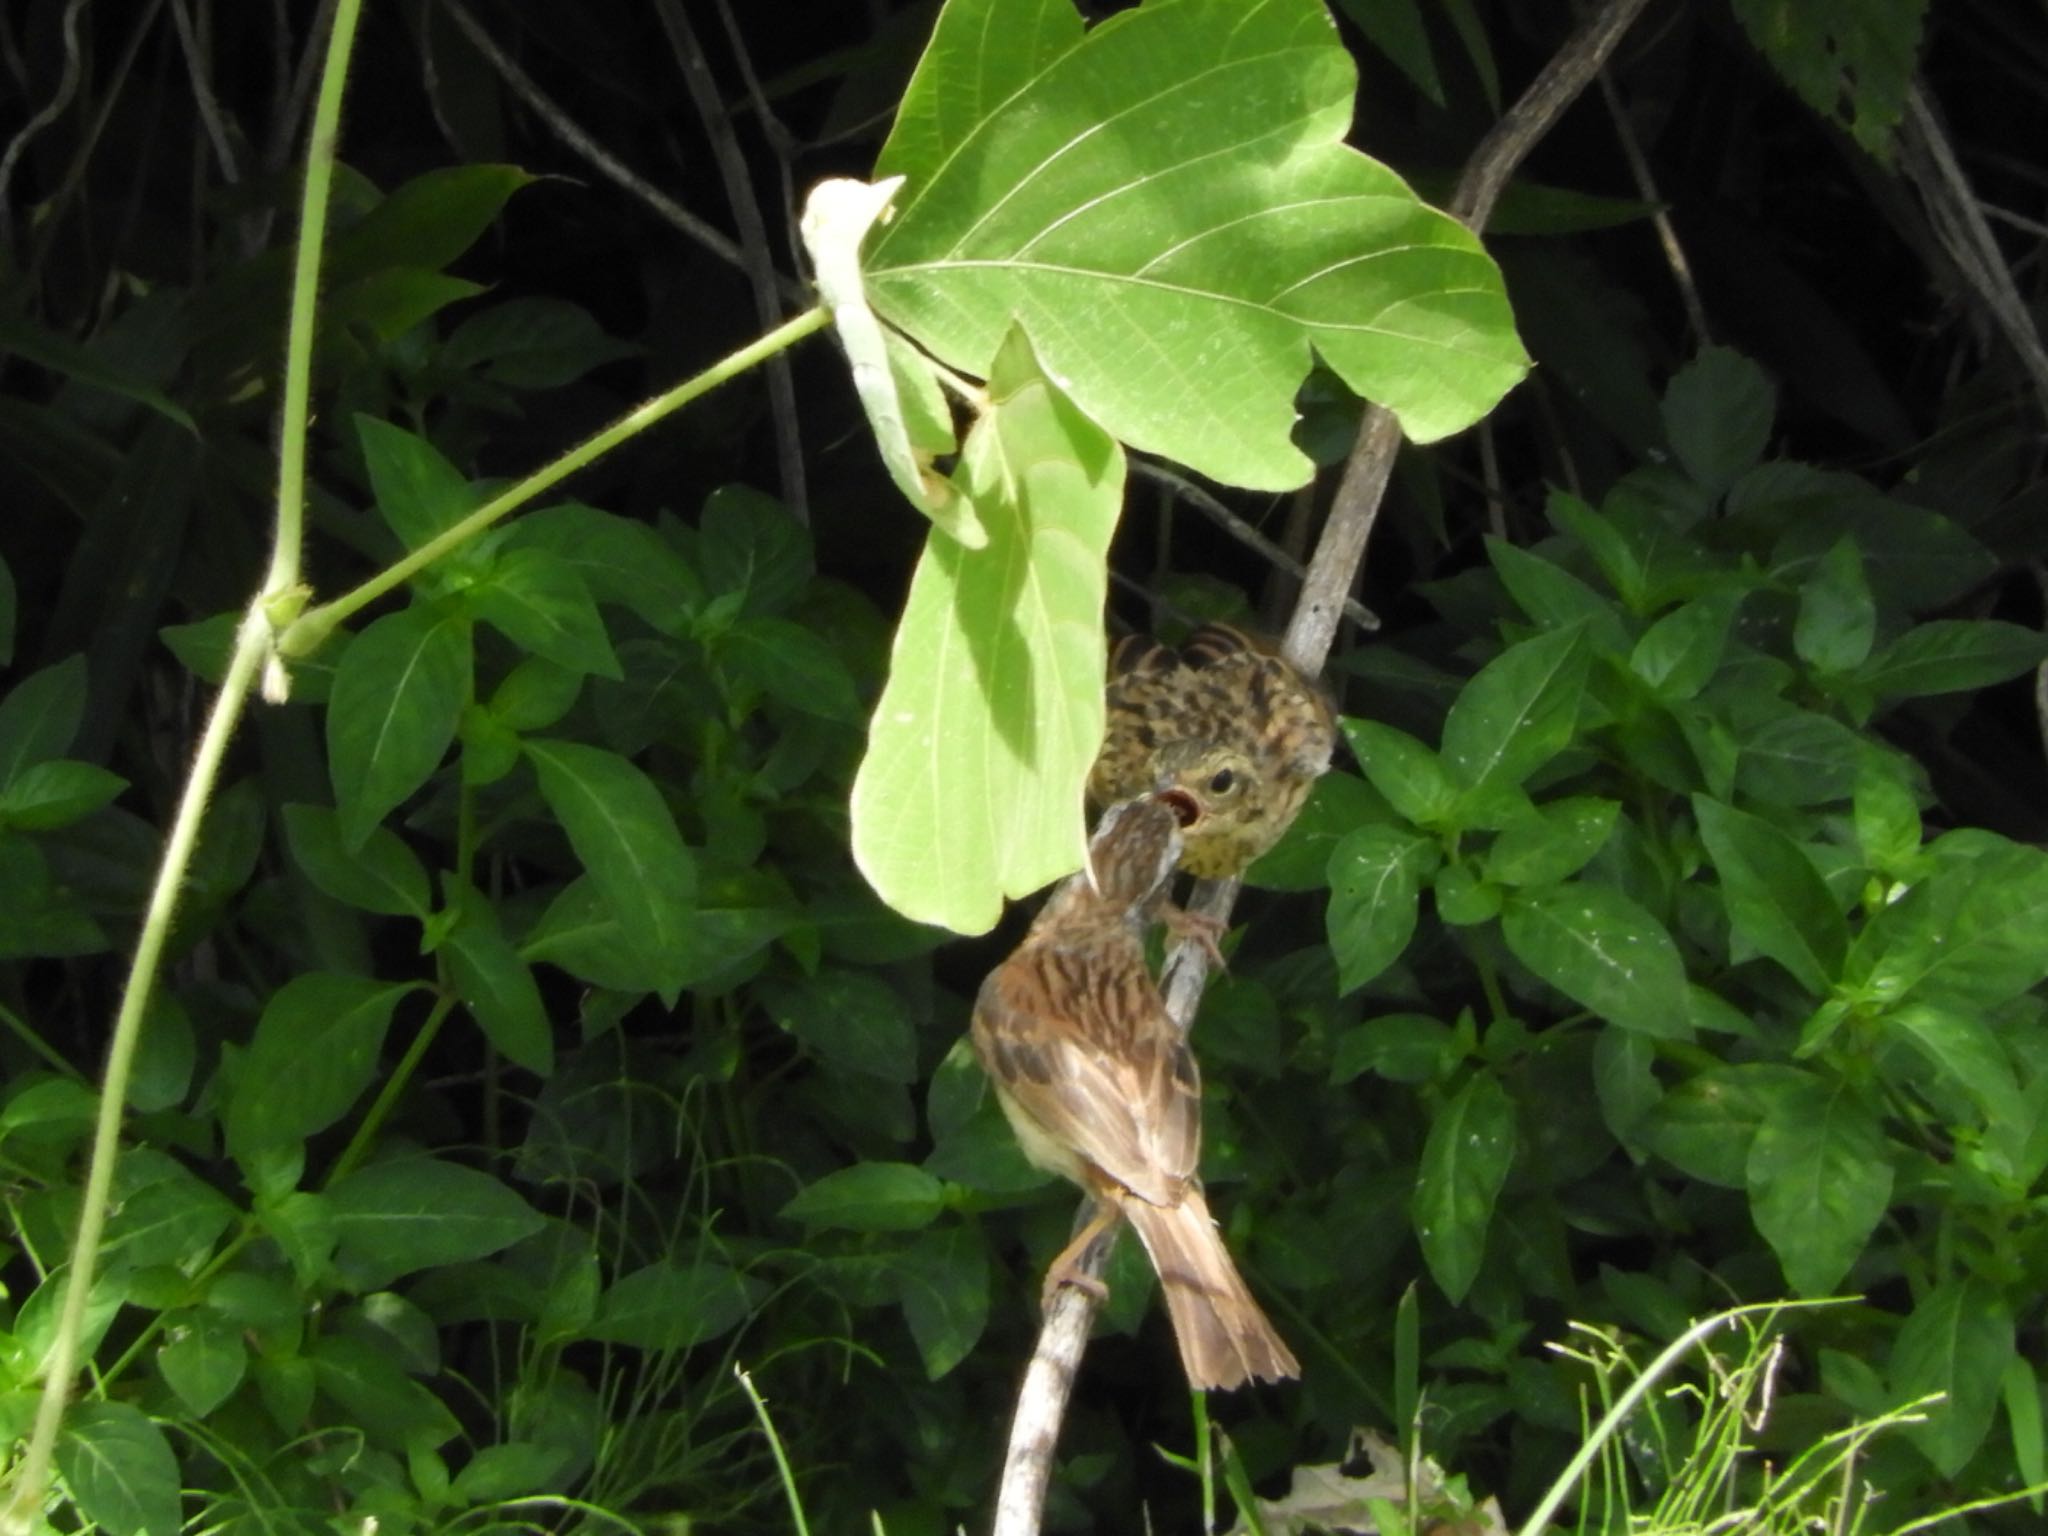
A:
[1660, 216]
[67, 86]
[1186, 490]
[756, 258]
[202, 94]
[1930, 164]
[601, 160]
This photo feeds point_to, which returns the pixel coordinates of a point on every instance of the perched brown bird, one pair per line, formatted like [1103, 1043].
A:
[1101, 1088]
[1228, 722]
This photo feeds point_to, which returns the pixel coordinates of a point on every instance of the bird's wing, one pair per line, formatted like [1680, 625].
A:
[1088, 1053]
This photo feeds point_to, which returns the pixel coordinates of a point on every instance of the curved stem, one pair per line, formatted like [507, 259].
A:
[305, 634]
[298, 350]
[33, 1477]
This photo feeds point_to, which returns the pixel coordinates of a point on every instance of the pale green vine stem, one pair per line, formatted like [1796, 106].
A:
[301, 323]
[252, 644]
[1612, 1421]
[305, 634]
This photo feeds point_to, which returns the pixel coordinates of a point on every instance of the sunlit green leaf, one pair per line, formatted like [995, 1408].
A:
[971, 787]
[1178, 224]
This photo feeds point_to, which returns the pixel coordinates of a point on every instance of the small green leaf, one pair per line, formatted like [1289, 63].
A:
[390, 1409]
[383, 875]
[419, 493]
[1800, 758]
[1776, 899]
[315, 1050]
[793, 665]
[668, 1306]
[853, 1020]
[1603, 951]
[543, 607]
[1620, 560]
[496, 987]
[620, 561]
[390, 302]
[1680, 653]
[1958, 1342]
[120, 1470]
[1952, 656]
[40, 716]
[754, 549]
[870, 1197]
[1375, 887]
[532, 343]
[507, 1471]
[1837, 615]
[425, 222]
[1401, 768]
[55, 793]
[2022, 1393]
[202, 1359]
[1964, 1049]
[1553, 844]
[1717, 416]
[1519, 712]
[1852, 64]
[1887, 821]
[1554, 597]
[1300, 861]
[535, 694]
[418, 1212]
[1818, 1179]
[1401, 1047]
[626, 838]
[1465, 1162]
[942, 1284]
[1974, 933]
[398, 692]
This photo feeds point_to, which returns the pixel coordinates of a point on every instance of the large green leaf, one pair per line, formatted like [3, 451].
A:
[1165, 203]
[1777, 901]
[1519, 712]
[120, 1470]
[672, 1306]
[1464, 1163]
[971, 787]
[1375, 884]
[1818, 1178]
[412, 1213]
[1602, 950]
[623, 832]
[314, 1052]
[1957, 1343]
[398, 692]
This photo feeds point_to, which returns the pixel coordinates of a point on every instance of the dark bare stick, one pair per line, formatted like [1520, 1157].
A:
[755, 257]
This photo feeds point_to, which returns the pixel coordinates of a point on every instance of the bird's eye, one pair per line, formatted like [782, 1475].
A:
[1221, 782]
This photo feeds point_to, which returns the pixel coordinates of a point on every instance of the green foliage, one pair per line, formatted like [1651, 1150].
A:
[530, 1048]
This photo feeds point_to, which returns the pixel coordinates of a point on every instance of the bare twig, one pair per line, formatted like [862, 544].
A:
[291, 110]
[1660, 218]
[1930, 164]
[1186, 490]
[756, 259]
[601, 160]
[202, 94]
[60, 98]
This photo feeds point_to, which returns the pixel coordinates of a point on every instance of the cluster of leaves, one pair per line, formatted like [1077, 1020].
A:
[532, 1052]
[1738, 1021]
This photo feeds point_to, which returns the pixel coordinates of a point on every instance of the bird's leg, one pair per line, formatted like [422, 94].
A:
[1067, 1268]
[1196, 928]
